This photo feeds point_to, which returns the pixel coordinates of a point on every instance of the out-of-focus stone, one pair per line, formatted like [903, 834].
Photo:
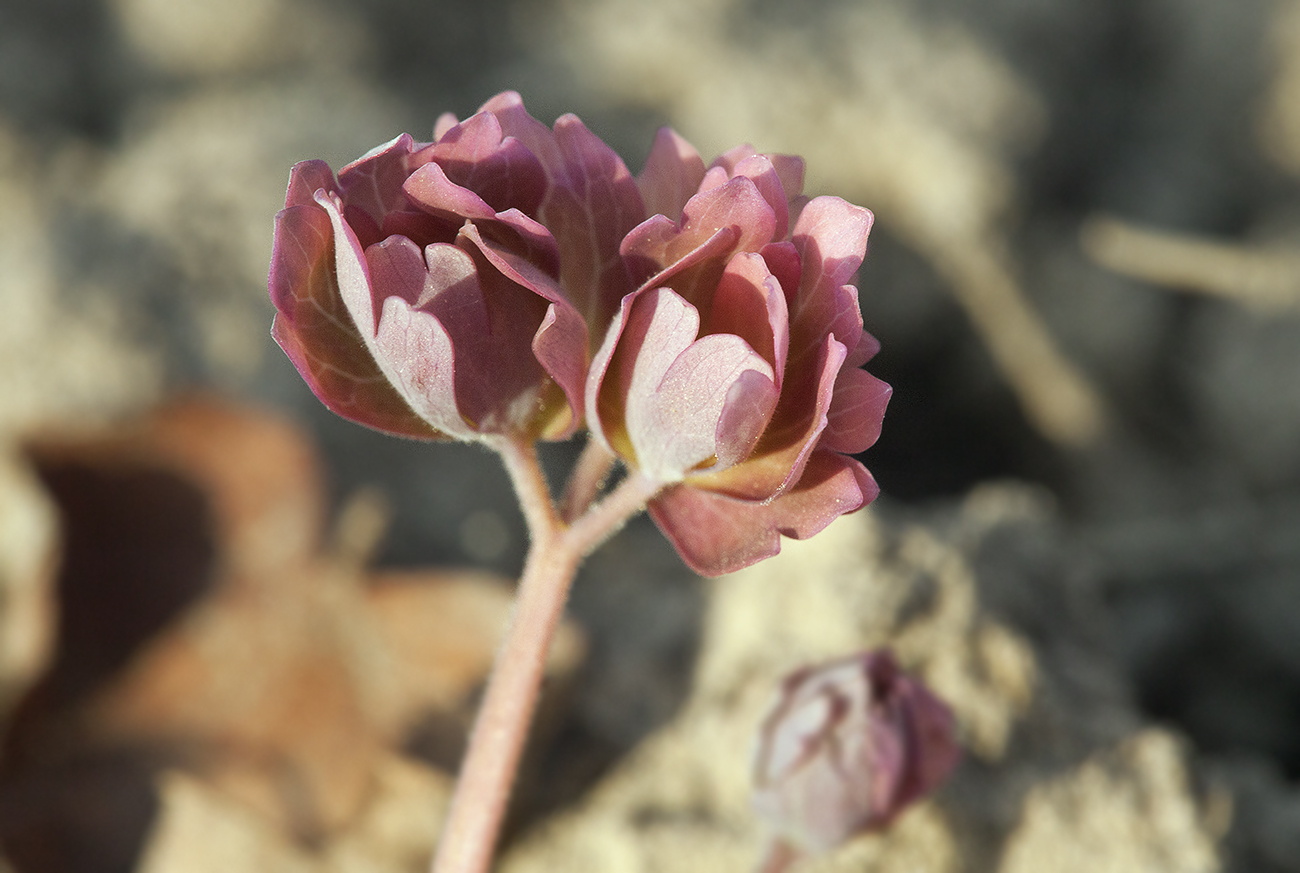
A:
[1125, 809]
[57, 361]
[29, 539]
[191, 37]
[208, 230]
[1281, 127]
[200, 831]
[202, 623]
[443, 629]
[399, 824]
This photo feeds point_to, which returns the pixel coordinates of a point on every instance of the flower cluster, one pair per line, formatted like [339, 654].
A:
[510, 279]
[846, 747]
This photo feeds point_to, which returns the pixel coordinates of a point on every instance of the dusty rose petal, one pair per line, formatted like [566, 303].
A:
[430, 188]
[845, 747]
[305, 179]
[671, 176]
[749, 303]
[796, 425]
[501, 170]
[318, 334]
[790, 169]
[373, 182]
[716, 534]
[658, 248]
[857, 412]
[589, 212]
[782, 258]
[831, 236]
[759, 169]
[560, 341]
[866, 349]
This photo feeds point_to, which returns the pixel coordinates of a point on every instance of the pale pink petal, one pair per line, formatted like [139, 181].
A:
[445, 122]
[690, 404]
[783, 260]
[716, 534]
[352, 272]
[790, 168]
[417, 356]
[728, 160]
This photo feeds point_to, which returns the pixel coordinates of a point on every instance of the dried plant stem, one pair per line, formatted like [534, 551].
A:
[497, 741]
[1268, 279]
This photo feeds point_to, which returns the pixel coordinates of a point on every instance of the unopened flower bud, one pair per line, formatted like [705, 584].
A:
[846, 747]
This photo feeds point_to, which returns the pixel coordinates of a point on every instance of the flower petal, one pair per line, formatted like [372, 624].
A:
[792, 433]
[857, 412]
[305, 179]
[707, 410]
[716, 534]
[759, 168]
[501, 170]
[318, 334]
[831, 237]
[373, 182]
[430, 188]
[866, 349]
[720, 222]
[591, 203]
[418, 358]
[559, 342]
[671, 176]
[589, 213]
[750, 303]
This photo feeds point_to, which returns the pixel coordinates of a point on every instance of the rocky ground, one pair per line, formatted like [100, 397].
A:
[237, 633]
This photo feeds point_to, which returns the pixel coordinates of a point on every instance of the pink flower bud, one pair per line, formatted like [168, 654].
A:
[442, 290]
[846, 747]
[731, 374]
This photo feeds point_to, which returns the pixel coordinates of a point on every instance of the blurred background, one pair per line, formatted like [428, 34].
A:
[1085, 274]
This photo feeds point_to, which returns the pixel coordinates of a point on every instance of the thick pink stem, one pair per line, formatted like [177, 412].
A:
[497, 741]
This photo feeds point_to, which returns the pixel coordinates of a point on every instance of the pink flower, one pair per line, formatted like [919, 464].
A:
[846, 747]
[444, 289]
[731, 372]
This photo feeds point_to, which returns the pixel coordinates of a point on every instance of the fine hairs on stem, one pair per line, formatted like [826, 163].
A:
[556, 549]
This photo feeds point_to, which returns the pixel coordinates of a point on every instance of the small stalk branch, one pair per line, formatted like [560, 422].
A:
[588, 476]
